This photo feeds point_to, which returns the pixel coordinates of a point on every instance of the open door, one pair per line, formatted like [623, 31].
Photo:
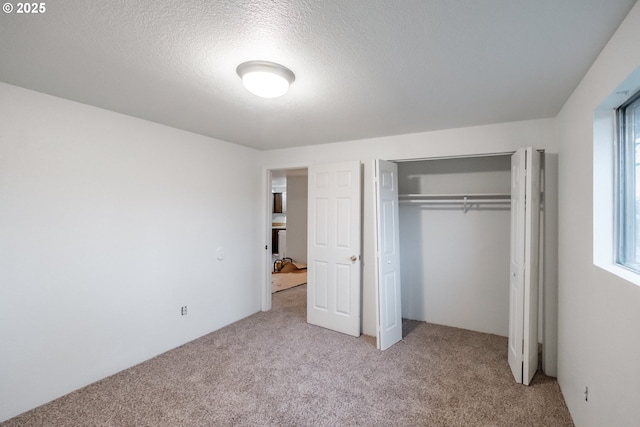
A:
[387, 278]
[523, 283]
[333, 266]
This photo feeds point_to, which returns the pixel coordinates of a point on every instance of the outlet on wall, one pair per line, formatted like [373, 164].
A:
[183, 310]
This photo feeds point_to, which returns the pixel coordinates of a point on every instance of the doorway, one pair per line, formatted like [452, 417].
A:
[285, 224]
[333, 202]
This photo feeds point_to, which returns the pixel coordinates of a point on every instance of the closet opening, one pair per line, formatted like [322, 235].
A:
[471, 243]
[454, 221]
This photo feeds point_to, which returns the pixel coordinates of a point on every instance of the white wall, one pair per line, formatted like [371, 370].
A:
[599, 313]
[455, 265]
[297, 218]
[108, 225]
[497, 138]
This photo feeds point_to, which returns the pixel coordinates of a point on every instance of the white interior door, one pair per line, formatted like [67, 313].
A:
[388, 291]
[523, 283]
[334, 229]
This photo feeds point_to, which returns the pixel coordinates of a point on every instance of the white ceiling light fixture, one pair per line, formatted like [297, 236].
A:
[265, 79]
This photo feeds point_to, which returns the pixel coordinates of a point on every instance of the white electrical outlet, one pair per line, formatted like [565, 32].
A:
[183, 310]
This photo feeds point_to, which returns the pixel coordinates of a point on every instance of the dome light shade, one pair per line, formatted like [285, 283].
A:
[265, 79]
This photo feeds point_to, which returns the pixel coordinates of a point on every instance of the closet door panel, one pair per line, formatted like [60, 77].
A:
[388, 290]
[524, 274]
[516, 273]
[531, 257]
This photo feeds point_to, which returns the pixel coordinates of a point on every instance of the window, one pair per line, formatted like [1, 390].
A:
[611, 144]
[628, 184]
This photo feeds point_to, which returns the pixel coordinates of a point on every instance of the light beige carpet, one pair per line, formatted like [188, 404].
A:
[275, 369]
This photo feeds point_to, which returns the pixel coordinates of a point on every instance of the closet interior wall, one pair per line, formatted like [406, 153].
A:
[455, 255]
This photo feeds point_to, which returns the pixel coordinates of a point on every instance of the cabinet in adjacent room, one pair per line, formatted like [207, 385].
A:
[275, 243]
[278, 203]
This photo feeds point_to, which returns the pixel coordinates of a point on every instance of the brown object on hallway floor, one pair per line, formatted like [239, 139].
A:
[289, 276]
[273, 368]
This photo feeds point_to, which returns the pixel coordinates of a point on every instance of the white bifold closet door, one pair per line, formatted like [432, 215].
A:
[333, 247]
[523, 283]
[387, 276]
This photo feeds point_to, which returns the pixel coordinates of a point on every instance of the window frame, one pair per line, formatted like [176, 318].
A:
[626, 209]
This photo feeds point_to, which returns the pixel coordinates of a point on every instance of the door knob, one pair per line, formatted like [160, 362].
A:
[354, 258]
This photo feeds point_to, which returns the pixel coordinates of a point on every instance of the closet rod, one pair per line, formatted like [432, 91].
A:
[457, 197]
[466, 202]
[469, 200]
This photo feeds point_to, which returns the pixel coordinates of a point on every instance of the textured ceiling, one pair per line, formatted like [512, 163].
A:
[364, 68]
